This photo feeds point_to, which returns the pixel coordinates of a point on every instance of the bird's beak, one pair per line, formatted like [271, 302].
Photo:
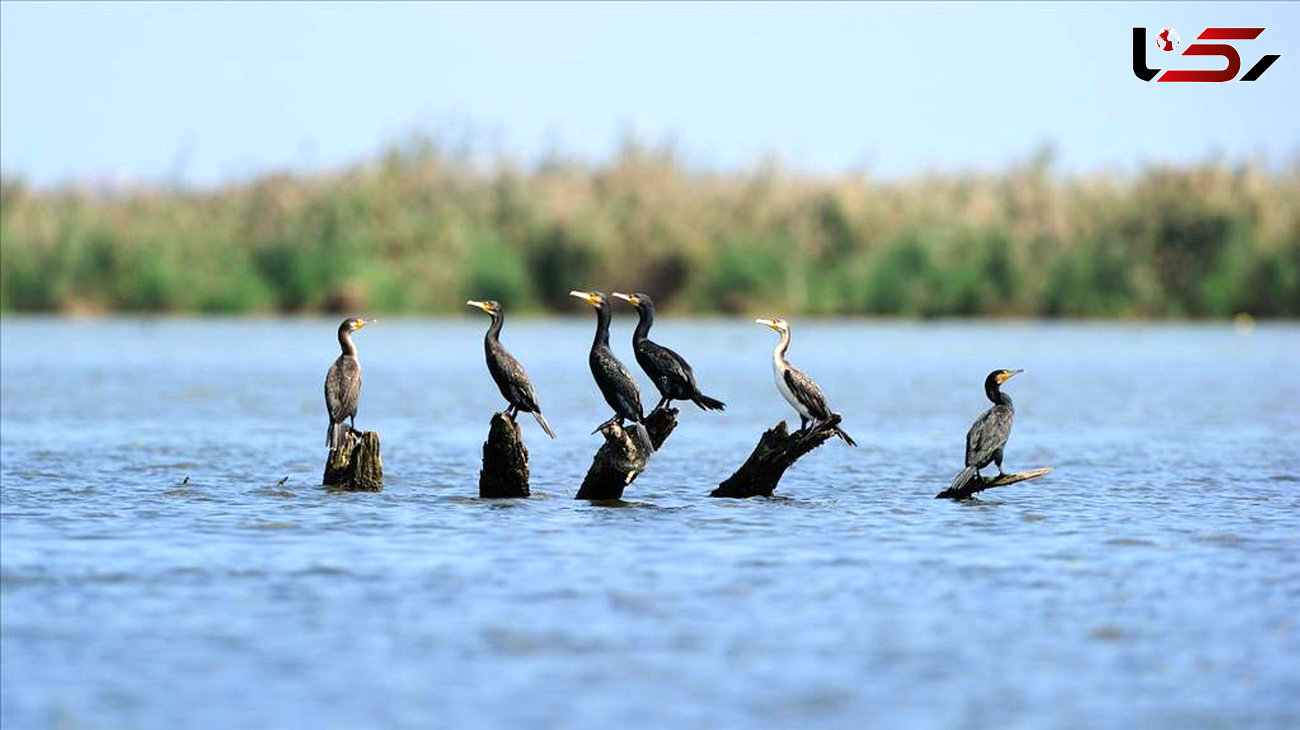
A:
[477, 304]
[363, 322]
[1011, 374]
[767, 322]
[584, 296]
[630, 299]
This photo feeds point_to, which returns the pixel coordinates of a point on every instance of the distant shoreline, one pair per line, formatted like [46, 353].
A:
[415, 231]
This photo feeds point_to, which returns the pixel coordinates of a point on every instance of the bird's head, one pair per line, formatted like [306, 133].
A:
[637, 300]
[778, 324]
[352, 324]
[998, 377]
[491, 306]
[594, 298]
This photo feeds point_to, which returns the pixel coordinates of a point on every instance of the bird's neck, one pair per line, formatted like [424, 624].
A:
[602, 328]
[995, 394]
[778, 355]
[346, 344]
[494, 329]
[643, 325]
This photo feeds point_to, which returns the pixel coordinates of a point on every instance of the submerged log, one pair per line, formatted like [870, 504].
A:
[505, 461]
[621, 458]
[775, 452]
[979, 484]
[356, 466]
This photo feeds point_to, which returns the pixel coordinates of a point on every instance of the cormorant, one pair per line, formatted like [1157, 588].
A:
[799, 389]
[613, 378]
[670, 373]
[988, 436]
[511, 378]
[343, 385]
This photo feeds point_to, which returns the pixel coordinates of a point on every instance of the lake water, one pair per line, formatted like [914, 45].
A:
[1152, 580]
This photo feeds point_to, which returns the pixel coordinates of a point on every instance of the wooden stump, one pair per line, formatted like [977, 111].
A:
[356, 466]
[979, 484]
[505, 461]
[621, 458]
[776, 451]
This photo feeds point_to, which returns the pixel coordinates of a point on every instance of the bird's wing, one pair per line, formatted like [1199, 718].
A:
[619, 378]
[807, 392]
[988, 434]
[343, 388]
[665, 363]
[520, 385]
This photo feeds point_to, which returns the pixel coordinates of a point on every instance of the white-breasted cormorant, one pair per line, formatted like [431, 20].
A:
[613, 378]
[343, 386]
[669, 371]
[989, 434]
[511, 378]
[799, 390]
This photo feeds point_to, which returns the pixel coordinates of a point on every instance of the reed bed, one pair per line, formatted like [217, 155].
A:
[420, 230]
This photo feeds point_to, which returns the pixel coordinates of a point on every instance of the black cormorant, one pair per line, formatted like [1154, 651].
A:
[670, 373]
[613, 378]
[799, 389]
[511, 378]
[988, 436]
[343, 386]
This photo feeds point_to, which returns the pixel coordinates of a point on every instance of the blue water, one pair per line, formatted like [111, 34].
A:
[1151, 580]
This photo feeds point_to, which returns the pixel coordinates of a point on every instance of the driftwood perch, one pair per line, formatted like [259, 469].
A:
[505, 461]
[621, 459]
[979, 484]
[356, 465]
[775, 452]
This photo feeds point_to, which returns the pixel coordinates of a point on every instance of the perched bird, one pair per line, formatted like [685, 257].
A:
[988, 436]
[613, 378]
[511, 378]
[799, 389]
[343, 385]
[670, 373]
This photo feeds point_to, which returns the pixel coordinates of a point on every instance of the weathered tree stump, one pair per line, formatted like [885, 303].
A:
[776, 451]
[979, 484]
[621, 458]
[356, 466]
[505, 461]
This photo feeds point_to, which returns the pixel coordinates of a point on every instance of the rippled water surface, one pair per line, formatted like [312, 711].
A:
[1151, 580]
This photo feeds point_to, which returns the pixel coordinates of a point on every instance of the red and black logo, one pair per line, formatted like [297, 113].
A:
[1167, 40]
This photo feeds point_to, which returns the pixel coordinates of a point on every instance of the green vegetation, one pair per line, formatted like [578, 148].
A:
[418, 230]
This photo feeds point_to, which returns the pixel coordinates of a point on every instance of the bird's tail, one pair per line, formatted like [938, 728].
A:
[707, 403]
[336, 435]
[963, 478]
[541, 421]
[643, 436]
[844, 435]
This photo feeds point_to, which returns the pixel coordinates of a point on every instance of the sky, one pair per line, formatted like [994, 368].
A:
[207, 94]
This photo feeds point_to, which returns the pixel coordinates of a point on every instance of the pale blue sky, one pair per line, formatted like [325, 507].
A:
[212, 92]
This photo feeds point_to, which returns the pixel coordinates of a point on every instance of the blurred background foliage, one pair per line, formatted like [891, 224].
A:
[421, 229]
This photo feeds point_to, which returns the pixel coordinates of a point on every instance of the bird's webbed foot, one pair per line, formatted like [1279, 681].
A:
[610, 422]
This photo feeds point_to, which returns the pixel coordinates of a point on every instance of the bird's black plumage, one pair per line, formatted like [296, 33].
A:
[612, 377]
[808, 393]
[670, 372]
[343, 386]
[988, 435]
[511, 378]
